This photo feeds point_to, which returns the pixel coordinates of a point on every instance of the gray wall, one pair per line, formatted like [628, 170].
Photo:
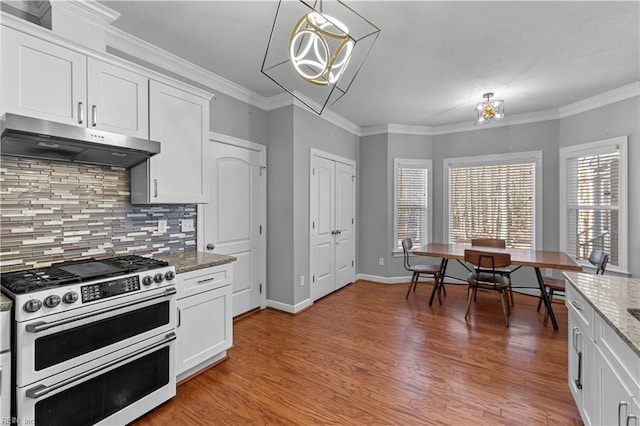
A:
[374, 217]
[280, 205]
[619, 119]
[376, 227]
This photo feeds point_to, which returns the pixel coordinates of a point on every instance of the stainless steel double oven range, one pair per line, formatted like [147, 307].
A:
[93, 340]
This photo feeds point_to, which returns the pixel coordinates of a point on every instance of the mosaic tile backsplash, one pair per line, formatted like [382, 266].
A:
[56, 211]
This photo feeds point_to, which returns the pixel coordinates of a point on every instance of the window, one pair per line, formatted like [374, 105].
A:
[412, 206]
[494, 196]
[593, 196]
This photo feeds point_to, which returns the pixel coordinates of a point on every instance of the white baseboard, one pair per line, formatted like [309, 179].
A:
[384, 280]
[292, 309]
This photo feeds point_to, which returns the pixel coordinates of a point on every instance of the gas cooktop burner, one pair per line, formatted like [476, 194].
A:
[74, 272]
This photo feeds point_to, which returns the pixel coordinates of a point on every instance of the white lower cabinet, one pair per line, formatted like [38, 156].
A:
[205, 318]
[582, 355]
[604, 372]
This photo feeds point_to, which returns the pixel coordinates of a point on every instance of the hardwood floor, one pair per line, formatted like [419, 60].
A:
[365, 355]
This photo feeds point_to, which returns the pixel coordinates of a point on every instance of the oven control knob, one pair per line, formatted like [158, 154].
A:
[32, 305]
[147, 280]
[169, 275]
[158, 278]
[52, 301]
[70, 297]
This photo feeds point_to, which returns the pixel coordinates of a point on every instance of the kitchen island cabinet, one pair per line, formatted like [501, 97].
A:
[607, 337]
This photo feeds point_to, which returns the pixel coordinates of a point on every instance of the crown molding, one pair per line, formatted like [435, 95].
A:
[131, 45]
[603, 99]
[510, 120]
[88, 10]
[124, 42]
[33, 8]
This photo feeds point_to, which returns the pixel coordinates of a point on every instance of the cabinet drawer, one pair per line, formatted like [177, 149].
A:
[621, 357]
[583, 311]
[195, 282]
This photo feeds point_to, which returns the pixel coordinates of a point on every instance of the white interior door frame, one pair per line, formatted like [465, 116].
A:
[313, 152]
[262, 149]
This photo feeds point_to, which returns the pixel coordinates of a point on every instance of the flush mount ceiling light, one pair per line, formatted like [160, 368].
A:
[489, 111]
[316, 49]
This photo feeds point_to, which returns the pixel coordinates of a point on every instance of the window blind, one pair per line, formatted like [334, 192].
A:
[411, 214]
[592, 203]
[493, 201]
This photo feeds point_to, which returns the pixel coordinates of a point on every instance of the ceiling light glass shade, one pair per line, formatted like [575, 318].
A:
[316, 49]
[489, 111]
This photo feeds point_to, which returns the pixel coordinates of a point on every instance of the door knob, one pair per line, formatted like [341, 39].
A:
[210, 246]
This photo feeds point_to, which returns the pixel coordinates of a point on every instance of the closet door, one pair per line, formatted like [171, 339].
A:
[332, 207]
[322, 227]
[344, 224]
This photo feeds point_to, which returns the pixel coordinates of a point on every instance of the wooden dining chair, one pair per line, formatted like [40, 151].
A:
[497, 243]
[486, 276]
[417, 270]
[598, 258]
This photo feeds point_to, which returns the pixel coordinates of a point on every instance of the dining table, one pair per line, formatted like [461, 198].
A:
[519, 257]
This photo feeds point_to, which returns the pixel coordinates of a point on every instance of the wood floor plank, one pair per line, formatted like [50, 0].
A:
[365, 355]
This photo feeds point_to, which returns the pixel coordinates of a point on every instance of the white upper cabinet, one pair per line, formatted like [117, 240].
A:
[180, 122]
[44, 80]
[118, 100]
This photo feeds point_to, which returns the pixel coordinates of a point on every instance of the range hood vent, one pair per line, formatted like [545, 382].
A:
[35, 138]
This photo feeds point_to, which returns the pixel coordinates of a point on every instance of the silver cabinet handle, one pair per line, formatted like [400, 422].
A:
[41, 390]
[179, 317]
[575, 346]
[635, 419]
[206, 280]
[620, 405]
[155, 188]
[577, 305]
[94, 115]
[80, 113]
[39, 326]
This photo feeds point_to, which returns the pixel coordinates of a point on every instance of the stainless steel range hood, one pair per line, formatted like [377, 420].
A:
[35, 138]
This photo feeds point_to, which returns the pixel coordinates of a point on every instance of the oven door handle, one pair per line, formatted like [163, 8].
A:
[41, 390]
[43, 325]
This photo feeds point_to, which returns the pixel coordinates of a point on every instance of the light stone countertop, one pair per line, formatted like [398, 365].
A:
[194, 260]
[611, 296]
[5, 303]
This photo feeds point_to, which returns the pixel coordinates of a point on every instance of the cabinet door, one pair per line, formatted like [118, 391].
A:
[204, 327]
[42, 80]
[118, 100]
[180, 121]
[615, 402]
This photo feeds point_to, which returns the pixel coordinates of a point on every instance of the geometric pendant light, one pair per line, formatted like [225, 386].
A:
[316, 49]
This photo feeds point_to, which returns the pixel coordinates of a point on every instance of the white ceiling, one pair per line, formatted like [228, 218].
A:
[432, 61]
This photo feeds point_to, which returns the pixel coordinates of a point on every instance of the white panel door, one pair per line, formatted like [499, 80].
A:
[345, 222]
[42, 80]
[232, 219]
[323, 228]
[118, 100]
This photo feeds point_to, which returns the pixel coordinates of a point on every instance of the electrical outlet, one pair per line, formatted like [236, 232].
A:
[301, 280]
[381, 261]
[162, 226]
[186, 225]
